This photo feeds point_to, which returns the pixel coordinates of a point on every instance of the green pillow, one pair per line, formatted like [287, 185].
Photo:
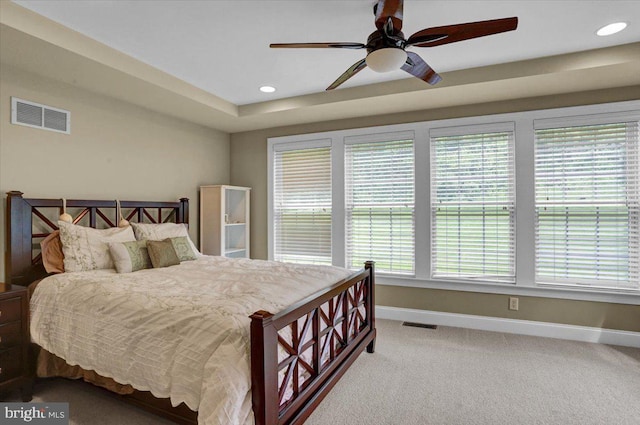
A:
[183, 248]
[130, 256]
[162, 253]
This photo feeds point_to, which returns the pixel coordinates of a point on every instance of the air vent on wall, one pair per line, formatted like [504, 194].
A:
[36, 115]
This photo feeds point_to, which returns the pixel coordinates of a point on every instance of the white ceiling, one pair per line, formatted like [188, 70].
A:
[222, 47]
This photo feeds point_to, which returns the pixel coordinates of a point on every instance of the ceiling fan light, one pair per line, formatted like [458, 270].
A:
[387, 59]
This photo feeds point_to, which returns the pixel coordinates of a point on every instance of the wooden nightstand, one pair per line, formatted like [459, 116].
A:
[14, 341]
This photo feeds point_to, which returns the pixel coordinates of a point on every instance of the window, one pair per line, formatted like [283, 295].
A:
[302, 205]
[587, 206]
[379, 196]
[534, 203]
[473, 204]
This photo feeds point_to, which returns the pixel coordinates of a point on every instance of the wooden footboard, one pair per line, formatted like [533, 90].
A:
[299, 354]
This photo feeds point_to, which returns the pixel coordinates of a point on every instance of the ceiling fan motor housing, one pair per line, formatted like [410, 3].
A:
[378, 40]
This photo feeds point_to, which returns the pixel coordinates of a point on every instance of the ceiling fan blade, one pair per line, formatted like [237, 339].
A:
[451, 33]
[417, 67]
[337, 45]
[389, 16]
[355, 68]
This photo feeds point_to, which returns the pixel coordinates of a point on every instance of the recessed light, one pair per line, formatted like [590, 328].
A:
[611, 28]
[267, 89]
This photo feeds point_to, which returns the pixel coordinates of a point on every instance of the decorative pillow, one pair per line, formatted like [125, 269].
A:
[158, 232]
[52, 255]
[162, 253]
[85, 248]
[183, 248]
[130, 256]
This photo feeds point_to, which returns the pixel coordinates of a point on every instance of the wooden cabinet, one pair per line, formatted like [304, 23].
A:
[224, 221]
[14, 340]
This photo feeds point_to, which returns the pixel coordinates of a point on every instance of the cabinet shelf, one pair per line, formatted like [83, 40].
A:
[224, 220]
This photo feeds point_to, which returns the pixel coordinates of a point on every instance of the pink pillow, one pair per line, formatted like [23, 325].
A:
[52, 256]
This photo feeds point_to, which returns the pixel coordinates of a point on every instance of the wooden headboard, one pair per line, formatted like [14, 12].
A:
[31, 220]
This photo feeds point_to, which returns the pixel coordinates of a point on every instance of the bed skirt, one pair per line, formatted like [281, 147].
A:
[50, 366]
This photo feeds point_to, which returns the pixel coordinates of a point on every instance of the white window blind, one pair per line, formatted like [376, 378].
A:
[302, 205]
[587, 206]
[379, 195]
[473, 204]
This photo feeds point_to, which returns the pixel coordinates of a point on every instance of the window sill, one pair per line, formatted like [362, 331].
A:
[513, 289]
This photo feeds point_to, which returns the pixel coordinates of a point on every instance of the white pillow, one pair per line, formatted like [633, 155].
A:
[86, 248]
[158, 232]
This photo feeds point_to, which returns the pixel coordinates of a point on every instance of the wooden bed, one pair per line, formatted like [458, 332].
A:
[339, 320]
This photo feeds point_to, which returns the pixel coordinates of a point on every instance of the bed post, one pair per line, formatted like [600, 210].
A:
[264, 372]
[183, 213]
[18, 242]
[371, 301]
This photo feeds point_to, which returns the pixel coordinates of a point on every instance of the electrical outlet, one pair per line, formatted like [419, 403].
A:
[513, 303]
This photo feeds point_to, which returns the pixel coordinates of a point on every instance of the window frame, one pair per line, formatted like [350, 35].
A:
[288, 147]
[317, 145]
[389, 137]
[523, 122]
[584, 121]
[470, 130]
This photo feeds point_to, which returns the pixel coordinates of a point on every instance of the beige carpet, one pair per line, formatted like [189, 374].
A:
[446, 376]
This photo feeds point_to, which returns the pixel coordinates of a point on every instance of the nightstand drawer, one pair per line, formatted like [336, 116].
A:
[10, 363]
[10, 335]
[10, 310]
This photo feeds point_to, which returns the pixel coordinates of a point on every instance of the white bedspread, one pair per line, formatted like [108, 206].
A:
[180, 332]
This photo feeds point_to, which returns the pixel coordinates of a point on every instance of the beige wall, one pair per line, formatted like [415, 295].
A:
[249, 168]
[580, 313]
[115, 150]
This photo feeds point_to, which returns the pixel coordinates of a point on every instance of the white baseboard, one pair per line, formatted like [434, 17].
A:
[514, 326]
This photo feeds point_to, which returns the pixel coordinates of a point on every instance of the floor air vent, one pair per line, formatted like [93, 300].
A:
[36, 115]
[419, 325]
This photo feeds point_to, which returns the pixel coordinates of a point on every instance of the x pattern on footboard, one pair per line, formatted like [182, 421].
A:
[312, 345]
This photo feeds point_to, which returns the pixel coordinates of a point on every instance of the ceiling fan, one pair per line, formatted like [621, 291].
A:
[386, 46]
